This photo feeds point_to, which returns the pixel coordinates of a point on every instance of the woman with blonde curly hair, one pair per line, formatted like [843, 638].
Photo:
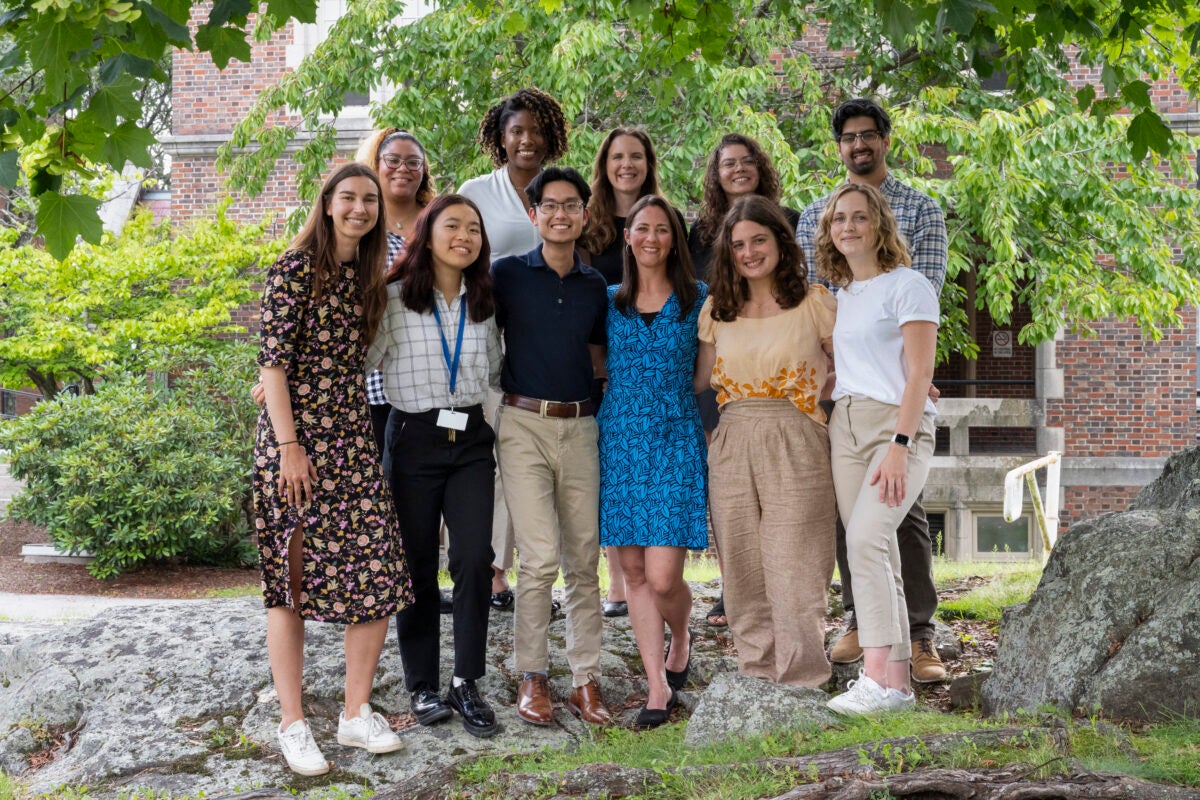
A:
[399, 161]
[881, 431]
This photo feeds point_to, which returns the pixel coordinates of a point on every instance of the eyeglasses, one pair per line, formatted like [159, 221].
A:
[413, 164]
[551, 207]
[730, 163]
[868, 137]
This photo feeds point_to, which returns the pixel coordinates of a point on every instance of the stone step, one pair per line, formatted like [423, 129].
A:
[49, 554]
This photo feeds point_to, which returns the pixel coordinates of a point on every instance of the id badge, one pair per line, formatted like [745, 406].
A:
[455, 420]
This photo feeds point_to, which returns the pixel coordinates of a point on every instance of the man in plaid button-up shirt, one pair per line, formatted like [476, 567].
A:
[862, 131]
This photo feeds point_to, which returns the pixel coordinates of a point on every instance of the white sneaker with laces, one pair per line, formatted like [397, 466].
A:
[369, 730]
[864, 696]
[300, 750]
[899, 701]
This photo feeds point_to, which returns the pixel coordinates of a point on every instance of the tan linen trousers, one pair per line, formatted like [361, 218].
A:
[773, 513]
[860, 432]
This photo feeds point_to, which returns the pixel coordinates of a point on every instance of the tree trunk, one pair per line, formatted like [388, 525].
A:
[46, 383]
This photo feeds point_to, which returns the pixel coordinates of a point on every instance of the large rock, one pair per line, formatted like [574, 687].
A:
[1113, 623]
[735, 706]
[178, 698]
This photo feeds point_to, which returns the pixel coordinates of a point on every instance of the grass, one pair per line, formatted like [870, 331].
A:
[698, 568]
[1010, 584]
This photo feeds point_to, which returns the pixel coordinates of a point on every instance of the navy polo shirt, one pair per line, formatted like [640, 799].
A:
[548, 323]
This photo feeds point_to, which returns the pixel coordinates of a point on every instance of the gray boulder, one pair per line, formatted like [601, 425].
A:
[735, 706]
[1112, 624]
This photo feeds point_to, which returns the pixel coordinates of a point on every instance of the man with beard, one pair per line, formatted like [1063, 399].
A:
[862, 130]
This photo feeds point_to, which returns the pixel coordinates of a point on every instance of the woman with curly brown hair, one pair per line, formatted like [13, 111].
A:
[520, 133]
[765, 336]
[737, 167]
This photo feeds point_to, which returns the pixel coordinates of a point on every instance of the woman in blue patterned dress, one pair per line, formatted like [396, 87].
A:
[653, 481]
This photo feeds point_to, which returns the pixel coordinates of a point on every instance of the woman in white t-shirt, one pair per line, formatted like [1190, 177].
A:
[881, 432]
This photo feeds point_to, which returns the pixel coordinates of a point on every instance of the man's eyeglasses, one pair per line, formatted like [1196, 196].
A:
[551, 207]
[413, 164]
[868, 137]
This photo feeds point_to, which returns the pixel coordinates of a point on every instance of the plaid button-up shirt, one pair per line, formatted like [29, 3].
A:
[921, 224]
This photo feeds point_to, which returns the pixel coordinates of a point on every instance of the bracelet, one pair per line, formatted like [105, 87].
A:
[281, 444]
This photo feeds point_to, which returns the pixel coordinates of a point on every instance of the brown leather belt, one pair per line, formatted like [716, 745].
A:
[549, 408]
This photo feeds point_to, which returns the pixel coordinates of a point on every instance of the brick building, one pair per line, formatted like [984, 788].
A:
[1117, 405]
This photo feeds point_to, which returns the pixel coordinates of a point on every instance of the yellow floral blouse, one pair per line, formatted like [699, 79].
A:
[777, 357]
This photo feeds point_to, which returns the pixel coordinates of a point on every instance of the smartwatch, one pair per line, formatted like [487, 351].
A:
[901, 439]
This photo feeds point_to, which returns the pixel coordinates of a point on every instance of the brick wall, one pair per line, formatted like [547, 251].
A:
[1127, 395]
[1018, 367]
[1087, 502]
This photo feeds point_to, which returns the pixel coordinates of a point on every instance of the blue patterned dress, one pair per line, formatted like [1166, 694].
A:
[653, 474]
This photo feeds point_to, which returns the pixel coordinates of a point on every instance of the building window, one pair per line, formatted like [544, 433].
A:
[308, 36]
[8, 404]
[1000, 540]
[937, 531]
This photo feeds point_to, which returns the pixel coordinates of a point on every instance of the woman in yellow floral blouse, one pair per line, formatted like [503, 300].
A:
[765, 337]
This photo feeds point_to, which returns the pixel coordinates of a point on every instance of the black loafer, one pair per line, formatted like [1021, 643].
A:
[502, 599]
[678, 680]
[428, 707]
[477, 716]
[615, 608]
[445, 603]
[649, 718]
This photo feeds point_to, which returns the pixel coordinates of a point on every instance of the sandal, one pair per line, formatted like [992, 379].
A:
[502, 599]
[716, 615]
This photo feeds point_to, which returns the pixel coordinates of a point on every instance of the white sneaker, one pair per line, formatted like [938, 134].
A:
[864, 696]
[301, 752]
[899, 701]
[369, 730]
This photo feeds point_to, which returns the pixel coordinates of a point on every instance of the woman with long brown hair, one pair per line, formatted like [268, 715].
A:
[329, 544]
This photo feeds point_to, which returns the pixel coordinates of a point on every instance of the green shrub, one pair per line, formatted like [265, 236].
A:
[146, 469]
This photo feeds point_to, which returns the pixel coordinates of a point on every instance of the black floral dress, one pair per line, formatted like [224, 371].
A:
[353, 567]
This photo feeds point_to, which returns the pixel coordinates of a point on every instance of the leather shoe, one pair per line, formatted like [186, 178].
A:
[927, 666]
[615, 608]
[477, 716]
[846, 650]
[428, 708]
[586, 703]
[533, 700]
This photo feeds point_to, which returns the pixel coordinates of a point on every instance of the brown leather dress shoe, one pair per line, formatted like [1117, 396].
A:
[587, 704]
[533, 701]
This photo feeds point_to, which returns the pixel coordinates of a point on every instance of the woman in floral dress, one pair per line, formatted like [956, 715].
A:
[329, 544]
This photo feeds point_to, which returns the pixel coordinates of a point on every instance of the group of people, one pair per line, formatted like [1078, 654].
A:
[568, 333]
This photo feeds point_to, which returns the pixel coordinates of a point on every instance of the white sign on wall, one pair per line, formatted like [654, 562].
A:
[1001, 344]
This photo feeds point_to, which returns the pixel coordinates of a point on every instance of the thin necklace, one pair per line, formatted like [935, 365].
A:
[862, 285]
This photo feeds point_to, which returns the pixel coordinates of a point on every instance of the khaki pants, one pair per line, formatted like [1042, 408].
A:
[773, 516]
[551, 471]
[502, 529]
[860, 432]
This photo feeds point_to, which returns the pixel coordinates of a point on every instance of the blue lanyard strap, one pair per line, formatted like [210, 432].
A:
[452, 363]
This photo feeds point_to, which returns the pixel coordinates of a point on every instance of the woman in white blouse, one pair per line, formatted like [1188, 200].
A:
[881, 431]
[439, 350]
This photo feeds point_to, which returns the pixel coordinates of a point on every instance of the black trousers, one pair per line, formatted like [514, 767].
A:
[434, 477]
[916, 571]
[379, 421]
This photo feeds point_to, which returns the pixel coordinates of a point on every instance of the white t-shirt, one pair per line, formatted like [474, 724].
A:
[868, 347]
[509, 229]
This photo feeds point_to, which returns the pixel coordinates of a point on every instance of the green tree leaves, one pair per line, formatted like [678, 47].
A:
[73, 78]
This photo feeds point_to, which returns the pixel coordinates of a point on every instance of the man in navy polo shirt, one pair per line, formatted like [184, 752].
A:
[552, 309]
